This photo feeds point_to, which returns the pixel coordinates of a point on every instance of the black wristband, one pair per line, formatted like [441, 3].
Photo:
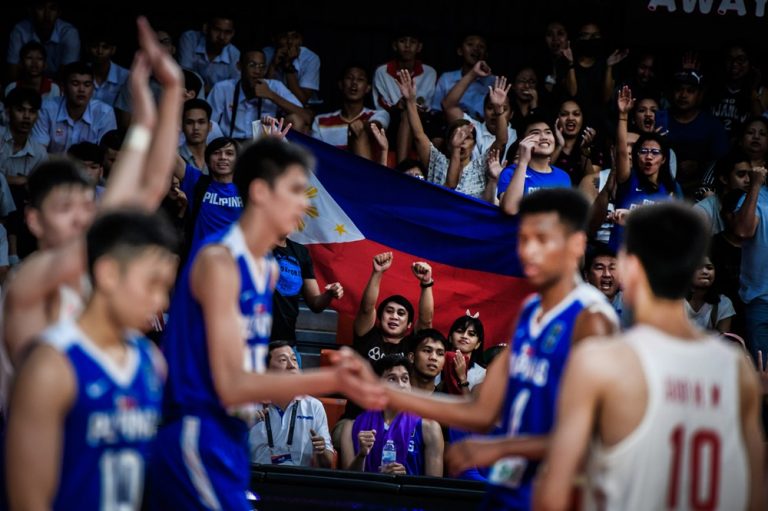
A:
[424, 286]
[464, 384]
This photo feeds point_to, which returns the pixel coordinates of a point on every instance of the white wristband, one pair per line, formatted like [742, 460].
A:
[138, 138]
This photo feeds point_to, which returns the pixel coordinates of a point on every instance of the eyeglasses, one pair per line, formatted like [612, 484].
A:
[531, 82]
[256, 65]
[649, 150]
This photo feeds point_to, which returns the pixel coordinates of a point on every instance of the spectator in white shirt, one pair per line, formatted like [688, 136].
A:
[210, 52]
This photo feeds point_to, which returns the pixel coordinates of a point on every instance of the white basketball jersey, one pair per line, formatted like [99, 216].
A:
[688, 452]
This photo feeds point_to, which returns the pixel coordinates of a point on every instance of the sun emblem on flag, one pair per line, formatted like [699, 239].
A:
[312, 212]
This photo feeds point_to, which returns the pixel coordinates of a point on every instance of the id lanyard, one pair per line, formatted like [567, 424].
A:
[268, 425]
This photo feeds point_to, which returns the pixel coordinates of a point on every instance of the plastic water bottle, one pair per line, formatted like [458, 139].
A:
[389, 453]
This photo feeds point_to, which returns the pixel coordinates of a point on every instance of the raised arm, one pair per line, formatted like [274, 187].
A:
[498, 96]
[380, 136]
[423, 272]
[142, 172]
[609, 82]
[27, 291]
[571, 85]
[494, 171]
[366, 315]
[408, 90]
[451, 100]
[453, 174]
[44, 391]
[625, 102]
[510, 201]
[747, 220]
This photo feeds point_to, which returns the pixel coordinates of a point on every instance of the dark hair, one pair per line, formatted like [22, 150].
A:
[536, 118]
[250, 48]
[570, 205]
[398, 299]
[51, 174]
[355, 65]
[387, 362]
[712, 294]
[665, 176]
[415, 340]
[192, 82]
[20, 95]
[409, 163]
[744, 125]
[276, 345]
[670, 240]
[75, 68]
[218, 143]
[101, 33]
[86, 151]
[724, 166]
[464, 322]
[126, 234]
[595, 250]
[113, 139]
[31, 46]
[197, 104]
[466, 34]
[221, 13]
[267, 159]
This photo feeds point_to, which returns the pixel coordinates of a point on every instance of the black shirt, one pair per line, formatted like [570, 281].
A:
[373, 346]
[295, 266]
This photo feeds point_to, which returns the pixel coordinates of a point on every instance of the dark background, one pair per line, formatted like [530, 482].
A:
[344, 32]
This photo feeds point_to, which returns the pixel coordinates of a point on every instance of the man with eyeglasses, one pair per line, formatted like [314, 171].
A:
[236, 103]
[696, 136]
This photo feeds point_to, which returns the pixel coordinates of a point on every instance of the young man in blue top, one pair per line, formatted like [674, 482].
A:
[216, 342]
[532, 171]
[86, 401]
[565, 310]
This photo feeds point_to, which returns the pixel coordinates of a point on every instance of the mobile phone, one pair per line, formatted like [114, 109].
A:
[662, 120]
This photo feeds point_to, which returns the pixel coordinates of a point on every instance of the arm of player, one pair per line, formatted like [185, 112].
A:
[44, 392]
[27, 291]
[366, 315]
[215, 284]
[577, 405]
[593, 322]
[477, 412]
[751, 409]
[483, 452]
[433, 448]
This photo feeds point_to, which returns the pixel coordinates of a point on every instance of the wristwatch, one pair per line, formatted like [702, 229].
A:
[464, 384]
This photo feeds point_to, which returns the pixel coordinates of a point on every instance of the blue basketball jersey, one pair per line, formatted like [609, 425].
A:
[537, 357]
[633, 194]
[190, 389]
[202, 460]
[110, 428]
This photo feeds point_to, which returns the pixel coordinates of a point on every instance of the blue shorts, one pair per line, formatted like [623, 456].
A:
[199, 463]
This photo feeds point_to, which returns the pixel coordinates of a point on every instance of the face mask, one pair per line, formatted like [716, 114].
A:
[589, 47]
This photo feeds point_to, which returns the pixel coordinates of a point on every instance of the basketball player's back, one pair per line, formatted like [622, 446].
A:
[670, 434]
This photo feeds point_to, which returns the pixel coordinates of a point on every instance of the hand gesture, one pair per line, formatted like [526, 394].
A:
[164, 68]
[356, 379]
[690, 61]
[497, 94]
[406, 85]
[274, 127]
[472, 452]
[619, 216]
[559, 137]
[762, 372]
[481, 69]
[757, 176]
[616, 57]
[142, 101]
[460, 134]
[380, 136]
[365, 440]
[588, 136]
[625, 101]
[382, 262]
[567, 52]
[393, 468]
[261, 89]
[494, 167]
[460, 366]
[422, 271]
[525, 148]
[356, 128]
[335, 290]
[318, 442]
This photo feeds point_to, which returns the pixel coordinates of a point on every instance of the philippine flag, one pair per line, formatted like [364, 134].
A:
[359, 209]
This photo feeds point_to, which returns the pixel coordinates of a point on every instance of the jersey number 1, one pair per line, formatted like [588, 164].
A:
[703, 447]
[122, 477]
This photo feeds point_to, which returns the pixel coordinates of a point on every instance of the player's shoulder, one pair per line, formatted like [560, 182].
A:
[601, 351]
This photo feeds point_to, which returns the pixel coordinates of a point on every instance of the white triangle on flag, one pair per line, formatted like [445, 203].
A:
[325, 221]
